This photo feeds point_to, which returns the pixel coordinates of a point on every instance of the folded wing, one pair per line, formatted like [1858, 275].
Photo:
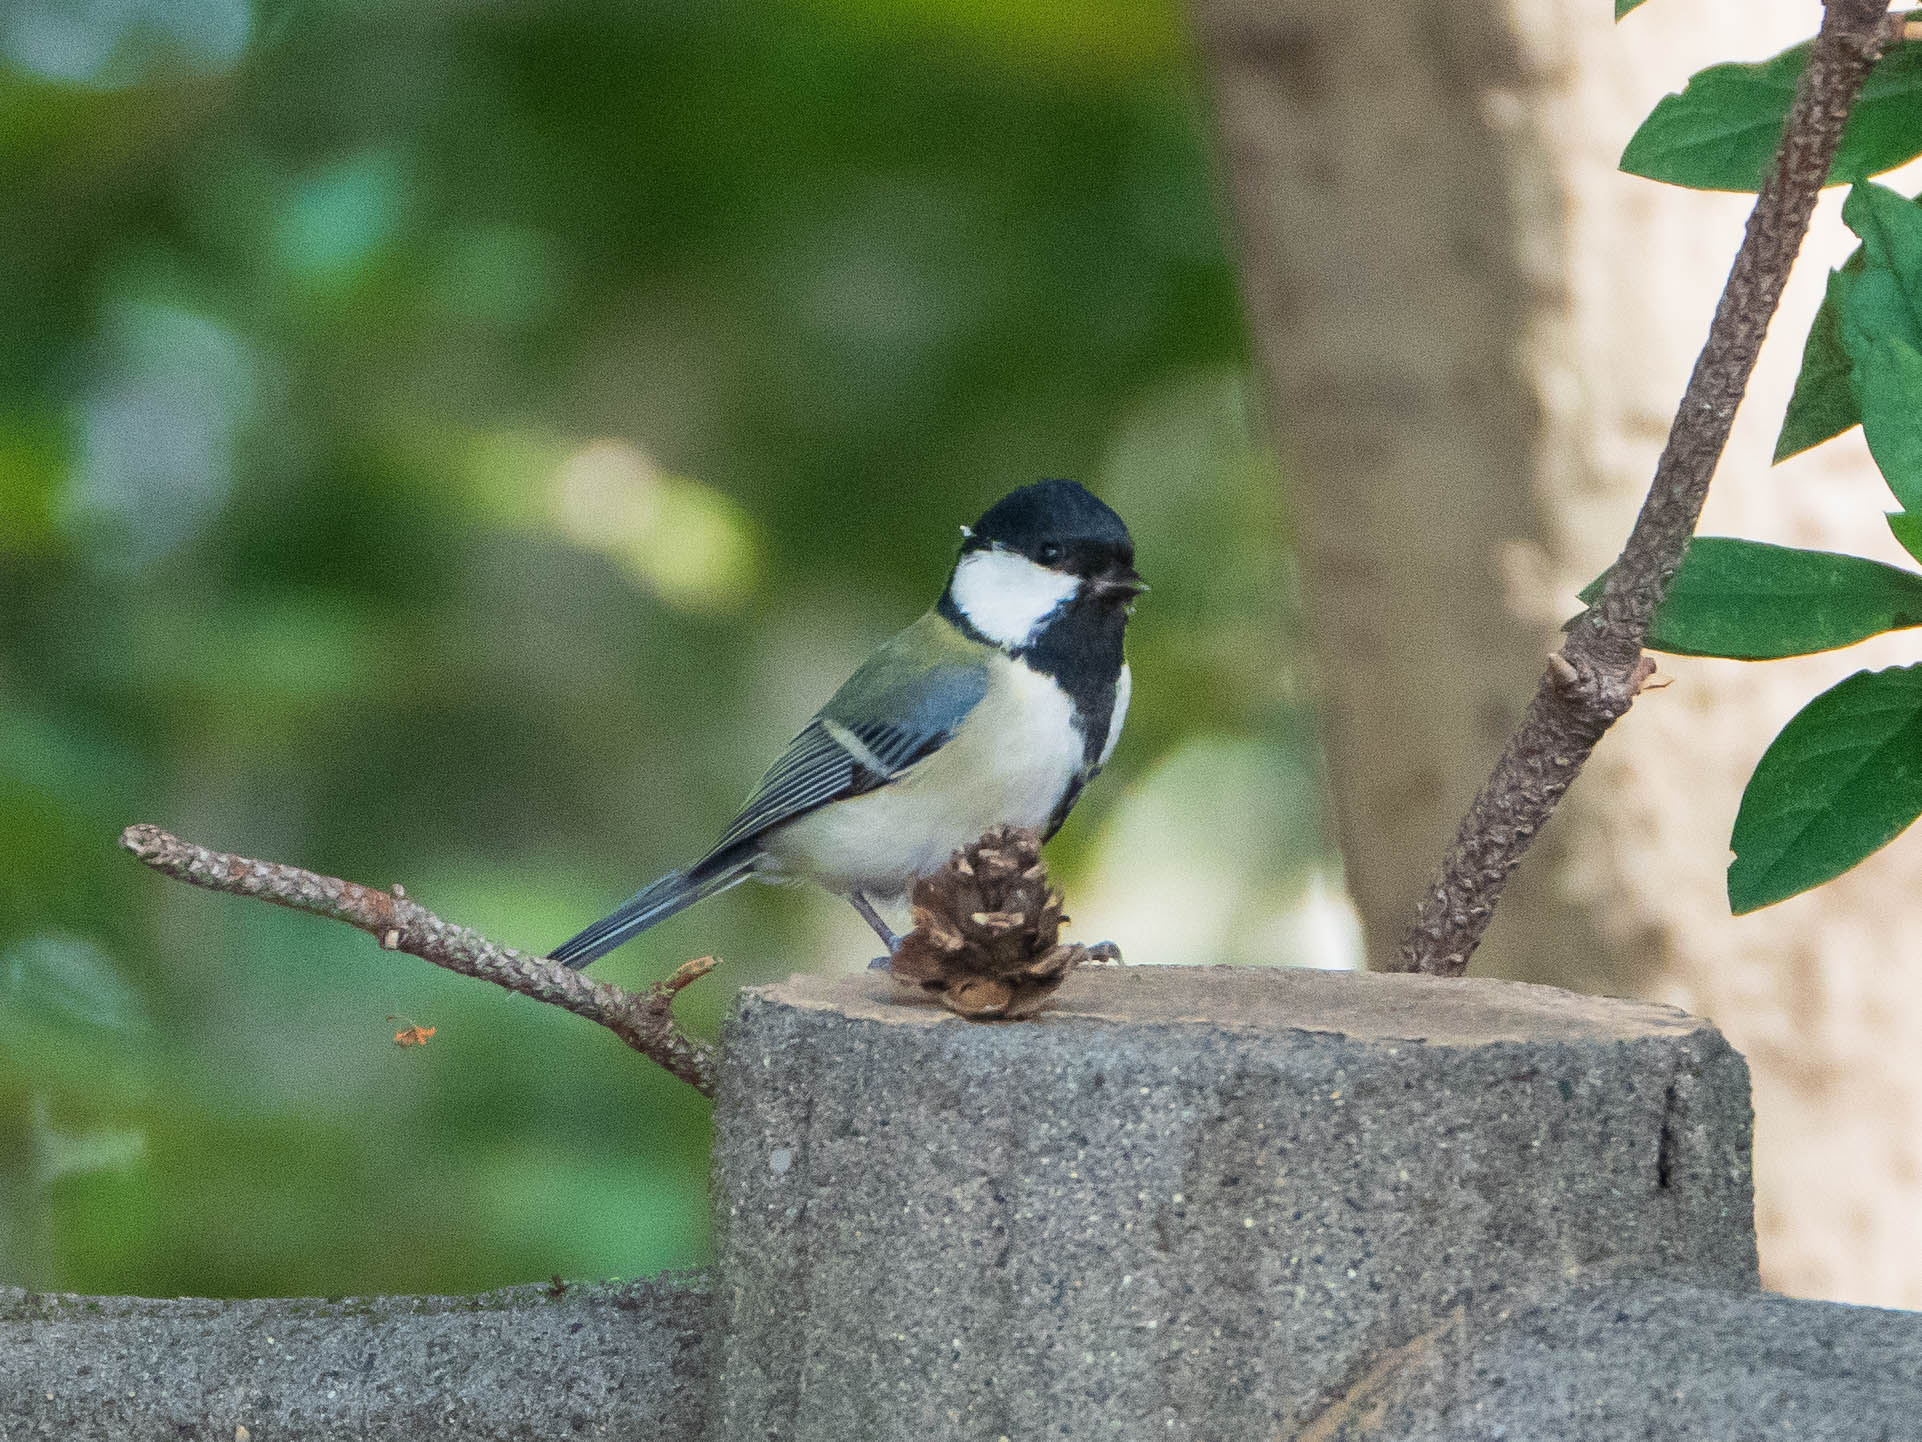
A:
[902, 705]
[884, 720]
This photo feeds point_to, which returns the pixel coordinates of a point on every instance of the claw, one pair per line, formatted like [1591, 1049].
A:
[886, 963]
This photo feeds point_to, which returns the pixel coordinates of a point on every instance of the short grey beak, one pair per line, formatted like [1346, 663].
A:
[1122, 581]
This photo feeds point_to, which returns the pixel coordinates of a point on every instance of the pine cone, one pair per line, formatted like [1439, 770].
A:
[987, 928]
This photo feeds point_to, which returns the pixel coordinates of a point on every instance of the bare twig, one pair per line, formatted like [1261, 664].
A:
[1601, 668]
[644, 1020]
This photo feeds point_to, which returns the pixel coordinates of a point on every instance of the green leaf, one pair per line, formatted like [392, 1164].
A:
[1823, 405]
[1886, 298]
[1879, 315]
[1888, 387]
[1842, 780]
[1891, 229]
[1885, 128]
[1880, 219]
[1622, 7]
[1907, 530]
[1720, 133]
[1752, 601]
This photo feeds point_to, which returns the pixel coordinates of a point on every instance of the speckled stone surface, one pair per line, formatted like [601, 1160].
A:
[1648, 1361]
[1186, 1204]
[619, 1360]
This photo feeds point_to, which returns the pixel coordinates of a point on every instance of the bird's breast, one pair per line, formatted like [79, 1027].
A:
[1008, 764]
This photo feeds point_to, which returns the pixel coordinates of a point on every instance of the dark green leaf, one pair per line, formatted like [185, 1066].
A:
[1842, 780]
[1752, 601]
[1886, 299]
[1907, 530]
[1891, 230]
[1622, 7]
[1721, 132]
[1823, 405]
[1885, 128]
[1888, 387]
[1879, 319]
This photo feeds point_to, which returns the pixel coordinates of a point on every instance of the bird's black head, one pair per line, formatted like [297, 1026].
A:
[1046, 559]
[1064, 527]
[1047, 575]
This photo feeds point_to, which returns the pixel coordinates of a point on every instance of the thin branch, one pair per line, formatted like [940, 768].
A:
[644, 1020]
[1599, 671]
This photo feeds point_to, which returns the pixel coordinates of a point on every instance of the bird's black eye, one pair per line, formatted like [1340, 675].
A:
[1049, 553]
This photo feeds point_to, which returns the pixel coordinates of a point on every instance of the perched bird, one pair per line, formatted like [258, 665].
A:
[995, 708]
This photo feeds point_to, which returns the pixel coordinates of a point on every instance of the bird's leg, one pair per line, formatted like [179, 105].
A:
[881, 929]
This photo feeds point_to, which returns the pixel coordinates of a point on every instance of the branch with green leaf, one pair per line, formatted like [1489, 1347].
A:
[1844, 777]
[1838, 109]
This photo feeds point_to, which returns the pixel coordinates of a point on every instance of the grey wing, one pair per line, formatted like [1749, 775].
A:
[834, 758]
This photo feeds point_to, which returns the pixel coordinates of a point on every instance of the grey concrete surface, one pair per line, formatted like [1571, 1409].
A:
[1649, 1362]
[1186, 1204]
[621, 1360]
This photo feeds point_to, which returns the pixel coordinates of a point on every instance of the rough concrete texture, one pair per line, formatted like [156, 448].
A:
[1649, 1362]
[621, 1360]
[1186, 1203]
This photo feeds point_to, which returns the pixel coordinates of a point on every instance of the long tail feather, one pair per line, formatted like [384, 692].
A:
[674, 892]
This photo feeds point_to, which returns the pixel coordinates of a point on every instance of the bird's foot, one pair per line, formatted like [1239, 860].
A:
[886, 963]
[881, 929]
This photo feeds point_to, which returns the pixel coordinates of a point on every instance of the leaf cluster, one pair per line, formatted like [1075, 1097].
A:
[1844, 776]
[1722, 130]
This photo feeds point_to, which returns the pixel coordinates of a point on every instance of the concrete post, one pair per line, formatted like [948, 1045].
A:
[1186, 1203]
[615, 1360]
[1647, 1361]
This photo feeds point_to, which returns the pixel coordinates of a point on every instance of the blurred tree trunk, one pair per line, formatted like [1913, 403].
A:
[1473, 331]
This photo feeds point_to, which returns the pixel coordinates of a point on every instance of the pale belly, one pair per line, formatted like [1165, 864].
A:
[1009, 765]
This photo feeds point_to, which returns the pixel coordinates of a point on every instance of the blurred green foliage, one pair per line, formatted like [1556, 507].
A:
[457, 444]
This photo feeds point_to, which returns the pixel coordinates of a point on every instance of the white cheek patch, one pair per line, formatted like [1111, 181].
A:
[1124, 688]
[1006, 597]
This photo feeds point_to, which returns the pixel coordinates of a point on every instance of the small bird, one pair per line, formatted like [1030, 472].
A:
[994, 709]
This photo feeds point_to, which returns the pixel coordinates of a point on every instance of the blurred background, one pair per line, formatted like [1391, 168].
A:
[456, 444]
